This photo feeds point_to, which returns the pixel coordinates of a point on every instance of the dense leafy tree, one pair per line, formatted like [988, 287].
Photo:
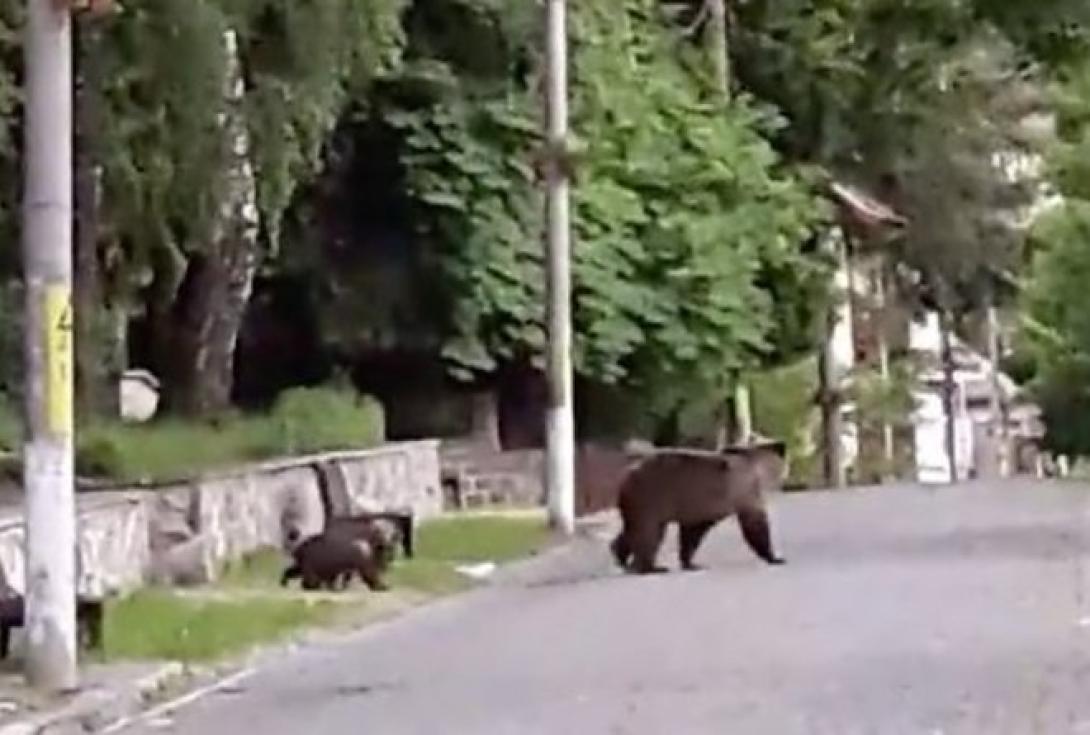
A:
[679, 201]
[692, 213]
[197, 132]
[1056, 322]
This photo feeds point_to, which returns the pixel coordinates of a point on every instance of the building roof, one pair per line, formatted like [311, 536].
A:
[863, 207]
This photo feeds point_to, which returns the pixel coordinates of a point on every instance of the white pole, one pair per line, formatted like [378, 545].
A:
[1000, 437]
[889, 449]
[47, 262]
[560, 430]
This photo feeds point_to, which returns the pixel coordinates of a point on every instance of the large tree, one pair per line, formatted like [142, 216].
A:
[684, 215]
[214, 112]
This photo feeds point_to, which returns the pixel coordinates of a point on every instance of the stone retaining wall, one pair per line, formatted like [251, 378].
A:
[478, 476]
[183, 532]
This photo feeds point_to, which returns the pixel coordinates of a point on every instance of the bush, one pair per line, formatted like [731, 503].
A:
[783, 408]
[165, 449]
[319, 419]
[303, 420]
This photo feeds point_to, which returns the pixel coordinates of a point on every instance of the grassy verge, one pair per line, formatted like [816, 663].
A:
[247, 607]
[160, 624]
[302, 421]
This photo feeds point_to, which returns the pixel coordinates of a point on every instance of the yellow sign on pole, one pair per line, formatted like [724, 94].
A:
[58, 360]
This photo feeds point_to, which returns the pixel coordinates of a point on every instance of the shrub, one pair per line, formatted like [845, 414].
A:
[303, 420]
[318, 419]
[783, 408]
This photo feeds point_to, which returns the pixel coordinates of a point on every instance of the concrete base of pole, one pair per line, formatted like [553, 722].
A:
[560, 469]
[51, 567]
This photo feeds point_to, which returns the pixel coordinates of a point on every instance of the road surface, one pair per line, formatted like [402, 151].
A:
[901, 610]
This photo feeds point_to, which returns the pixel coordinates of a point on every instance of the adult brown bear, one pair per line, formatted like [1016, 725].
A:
[696, 489]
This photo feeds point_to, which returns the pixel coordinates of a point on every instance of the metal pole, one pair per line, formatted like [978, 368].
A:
[47, 264]
[948, 389]
[743, 411]
[560, 430]
[999, 413]
[889, 448]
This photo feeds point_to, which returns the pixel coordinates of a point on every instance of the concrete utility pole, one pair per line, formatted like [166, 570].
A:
[47, 268]
[949, 388]
[1000, 436]
[719, 50]
[560, 429]
[889, 448]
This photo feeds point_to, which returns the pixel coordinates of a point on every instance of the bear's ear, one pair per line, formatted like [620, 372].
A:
[732, 461]
[779, 447]
[775, 446]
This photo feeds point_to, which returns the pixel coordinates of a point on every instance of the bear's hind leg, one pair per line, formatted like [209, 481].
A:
[689, 537]
[620, 549]
[645, 542]
[757, 535]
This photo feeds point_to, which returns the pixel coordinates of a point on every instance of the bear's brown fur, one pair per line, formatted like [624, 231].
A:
[695, 489]
[384, 530]
[330, 559]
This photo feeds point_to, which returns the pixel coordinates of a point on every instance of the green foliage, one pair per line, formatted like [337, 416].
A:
[1057, 325]
[914, 100]
[304, 62]
[317, 419]
[482, 537]
[1055, 329]
[465, 160]
[784, 408]
[679, 204]
[247, 607]
[444, 543]
[162, 69]
[879, 400]
[688, 223]
[162, 74]
[303, 420]
[682, 202]
[441, 545]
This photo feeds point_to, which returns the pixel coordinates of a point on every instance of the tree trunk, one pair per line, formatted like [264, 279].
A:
[717, 45]
[736, 426]
[197, 335]
[830, 420]
[743, 413]
[725, 431]
[485, 420]
[948, 388]
[834, 369]
[94, 378]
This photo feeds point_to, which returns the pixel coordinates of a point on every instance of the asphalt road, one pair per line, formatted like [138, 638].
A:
[901, 610]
